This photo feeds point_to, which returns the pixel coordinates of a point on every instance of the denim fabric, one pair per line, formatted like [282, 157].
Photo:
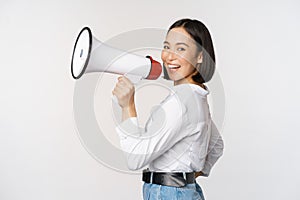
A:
[160, 192]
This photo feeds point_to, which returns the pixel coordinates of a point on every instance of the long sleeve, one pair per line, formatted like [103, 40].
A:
[215, 149]
[162, 131]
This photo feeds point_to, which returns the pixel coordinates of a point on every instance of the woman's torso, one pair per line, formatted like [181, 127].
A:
[189, 153]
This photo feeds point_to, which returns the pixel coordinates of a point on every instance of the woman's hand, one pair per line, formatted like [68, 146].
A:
[124, 91]
[198, 174]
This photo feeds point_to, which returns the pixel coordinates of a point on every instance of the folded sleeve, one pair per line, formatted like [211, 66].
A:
[161, 132]
[215, 149]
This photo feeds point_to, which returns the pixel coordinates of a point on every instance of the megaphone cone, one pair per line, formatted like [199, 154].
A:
[91, 55]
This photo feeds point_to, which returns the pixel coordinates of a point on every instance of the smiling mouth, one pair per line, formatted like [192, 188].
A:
[173, 66]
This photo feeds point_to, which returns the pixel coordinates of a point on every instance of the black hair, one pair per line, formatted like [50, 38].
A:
[199, 32]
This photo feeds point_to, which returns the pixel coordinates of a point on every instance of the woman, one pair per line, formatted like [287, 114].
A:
[180, 141]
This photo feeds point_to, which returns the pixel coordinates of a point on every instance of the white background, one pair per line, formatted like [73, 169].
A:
[257, 49]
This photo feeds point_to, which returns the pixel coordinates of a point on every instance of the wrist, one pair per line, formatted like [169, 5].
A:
[129, 111]
[129, 106]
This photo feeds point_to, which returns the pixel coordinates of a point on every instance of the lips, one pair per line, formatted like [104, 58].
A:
[173, 66]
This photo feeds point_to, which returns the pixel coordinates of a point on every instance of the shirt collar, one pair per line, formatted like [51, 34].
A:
[199, 89]
[194, 87]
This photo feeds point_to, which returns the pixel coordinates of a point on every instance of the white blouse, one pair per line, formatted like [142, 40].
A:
[179, 135]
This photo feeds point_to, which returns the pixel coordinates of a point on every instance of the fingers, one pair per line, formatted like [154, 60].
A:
[124, 91]
[124, 79]
[123, 86]
[197, 174]
[124, 83]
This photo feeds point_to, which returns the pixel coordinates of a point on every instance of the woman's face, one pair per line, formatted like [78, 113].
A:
[180, 56]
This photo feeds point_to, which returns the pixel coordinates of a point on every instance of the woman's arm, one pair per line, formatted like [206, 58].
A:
[162, 130]
[215, 149]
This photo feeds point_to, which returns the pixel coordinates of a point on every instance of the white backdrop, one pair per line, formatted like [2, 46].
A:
[257, 49]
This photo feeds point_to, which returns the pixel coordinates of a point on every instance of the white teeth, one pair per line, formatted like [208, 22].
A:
[173, 66]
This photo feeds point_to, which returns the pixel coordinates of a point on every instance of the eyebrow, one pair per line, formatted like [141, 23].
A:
[178, 43]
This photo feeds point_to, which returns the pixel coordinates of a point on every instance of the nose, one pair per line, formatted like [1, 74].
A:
[170, 55]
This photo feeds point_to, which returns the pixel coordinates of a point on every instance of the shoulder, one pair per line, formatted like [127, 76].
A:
[174, 104]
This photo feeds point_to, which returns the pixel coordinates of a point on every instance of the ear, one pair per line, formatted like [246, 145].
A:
[200, 57]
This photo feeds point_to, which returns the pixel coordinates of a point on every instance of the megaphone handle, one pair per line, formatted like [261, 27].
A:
[133, 78]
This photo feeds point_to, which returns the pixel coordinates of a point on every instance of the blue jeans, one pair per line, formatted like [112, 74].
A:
[160, 192]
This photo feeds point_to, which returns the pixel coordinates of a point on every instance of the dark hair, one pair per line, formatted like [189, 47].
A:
[199, 32]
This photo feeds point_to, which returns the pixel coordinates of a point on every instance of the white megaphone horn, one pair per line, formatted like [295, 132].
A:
[91, 55]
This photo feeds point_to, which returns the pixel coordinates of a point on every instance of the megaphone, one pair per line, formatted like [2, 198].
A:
[91, 55]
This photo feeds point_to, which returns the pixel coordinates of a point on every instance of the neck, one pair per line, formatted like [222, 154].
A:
[188, 81]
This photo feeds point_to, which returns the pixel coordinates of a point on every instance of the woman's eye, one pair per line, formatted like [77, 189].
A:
[166, 47]
[181, 49]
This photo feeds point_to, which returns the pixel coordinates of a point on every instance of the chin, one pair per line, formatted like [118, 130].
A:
[174, 77]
